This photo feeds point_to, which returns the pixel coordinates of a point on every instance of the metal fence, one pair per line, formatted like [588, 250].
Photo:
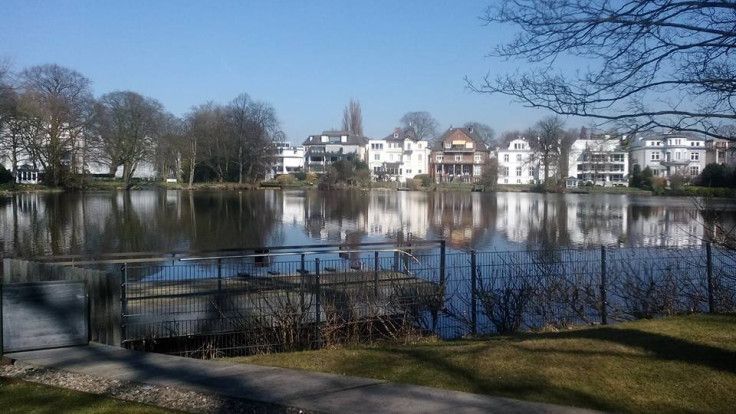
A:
[242, 305]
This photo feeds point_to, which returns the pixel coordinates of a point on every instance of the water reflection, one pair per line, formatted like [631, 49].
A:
[33, 224]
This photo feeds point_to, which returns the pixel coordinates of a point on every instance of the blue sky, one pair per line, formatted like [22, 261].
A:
[306, 58]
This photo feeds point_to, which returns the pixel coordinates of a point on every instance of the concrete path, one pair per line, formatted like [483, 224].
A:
[292, 388]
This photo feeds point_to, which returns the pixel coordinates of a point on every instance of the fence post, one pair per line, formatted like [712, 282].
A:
[219, 277]
[123, 304]
[375, 274]
[317, 305]
[442, 263]
[473, 292]
[709, 269]
[396, 259]
[604, 301]
[303, 270]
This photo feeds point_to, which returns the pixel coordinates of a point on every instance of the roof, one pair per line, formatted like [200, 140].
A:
[469, 132]
[351, 140]
[401, 134]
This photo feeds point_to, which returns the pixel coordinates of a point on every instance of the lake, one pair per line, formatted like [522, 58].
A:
[161, 220]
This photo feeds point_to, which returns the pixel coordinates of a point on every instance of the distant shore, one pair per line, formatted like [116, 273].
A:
[116, 185]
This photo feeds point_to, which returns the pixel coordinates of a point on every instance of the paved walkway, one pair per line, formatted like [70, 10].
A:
[306, 390]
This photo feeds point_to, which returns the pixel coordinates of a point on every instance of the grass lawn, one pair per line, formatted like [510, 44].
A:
[682, 364]
[25, 397]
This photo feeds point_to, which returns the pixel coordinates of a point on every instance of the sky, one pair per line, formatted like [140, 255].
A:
[305, 58]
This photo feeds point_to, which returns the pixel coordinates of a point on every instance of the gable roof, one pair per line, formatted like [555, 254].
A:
[468, 132]
[401, 134]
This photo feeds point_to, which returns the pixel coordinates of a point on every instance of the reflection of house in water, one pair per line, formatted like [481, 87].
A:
[664, 226]
[598, 223]
[342, 215]
[464, 220]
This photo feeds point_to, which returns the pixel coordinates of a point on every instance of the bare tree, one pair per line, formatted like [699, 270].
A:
[485, 132]
[352, 118]
[423, 123]
[55, 100]
[170, 145]
[507, 136]
[566, 141]
[545, 142]
[128, 125]
[254, 126]
[653, 63]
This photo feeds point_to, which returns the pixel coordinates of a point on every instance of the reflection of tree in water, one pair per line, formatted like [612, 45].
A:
[337, 212]
[464, 220]
[548, 228]
[228, 220]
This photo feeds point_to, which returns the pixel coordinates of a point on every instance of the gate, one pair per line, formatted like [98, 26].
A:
[43, 315]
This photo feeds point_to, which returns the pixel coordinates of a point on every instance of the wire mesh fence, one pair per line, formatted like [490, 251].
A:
[235, 306]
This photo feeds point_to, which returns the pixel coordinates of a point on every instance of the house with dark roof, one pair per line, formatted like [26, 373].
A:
[460, 155]
[320, 151]
[399, 156]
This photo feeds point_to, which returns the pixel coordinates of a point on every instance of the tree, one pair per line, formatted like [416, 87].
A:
[489, 178]
[56, 103]
[169, 147]
[652, 63]
[486, 133]
[352, 118]
[128, 125]
[260, 129]
[546, 146]
[424, 125]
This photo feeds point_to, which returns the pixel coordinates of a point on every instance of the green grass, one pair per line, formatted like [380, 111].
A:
[682, 364]
[25, 397]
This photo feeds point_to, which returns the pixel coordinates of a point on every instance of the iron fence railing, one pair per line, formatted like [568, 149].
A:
[224, 305]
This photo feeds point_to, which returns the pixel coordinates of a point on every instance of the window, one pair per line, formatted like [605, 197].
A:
[694, 170]
[478, 158]
[618, 158]
[677, 155]
[439, 158]
[694, 156]
[505, 157]
[377, 157]
[408, 171]
[419, 157]
[531, 171]
[518, 157]
[504, 171]
[476, 170]
[420, 171]
[390, 157]
[518, 171]
[458, 157]
[655, 156]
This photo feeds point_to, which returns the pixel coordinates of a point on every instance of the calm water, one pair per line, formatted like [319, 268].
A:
[37, 224]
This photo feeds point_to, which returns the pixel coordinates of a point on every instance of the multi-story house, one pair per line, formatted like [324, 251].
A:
[399, 156]
[320, 151]
[517, 163]
[718, 152]
[668, 154]
[460, 155]
[601, 161]
[287, 159]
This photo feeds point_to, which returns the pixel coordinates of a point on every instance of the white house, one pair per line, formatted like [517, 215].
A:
[399, 156]
[669, 154]
[718, 152]
[601, 161]
[287, 160]
[516, 164]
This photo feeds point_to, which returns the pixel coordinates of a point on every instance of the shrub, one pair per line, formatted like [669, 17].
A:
[413, 184]
[286, 179]
[5, 175]
[425, 179]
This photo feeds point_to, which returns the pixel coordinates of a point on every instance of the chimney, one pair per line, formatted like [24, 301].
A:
[470, 129]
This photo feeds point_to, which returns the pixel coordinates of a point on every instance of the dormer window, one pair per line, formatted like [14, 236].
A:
[396, 134]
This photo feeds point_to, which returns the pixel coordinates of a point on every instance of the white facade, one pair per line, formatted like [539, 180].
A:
[287, 160]
[398, 157]
[516, 163]
[719, 152]
[603, 162]
[669, 154]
